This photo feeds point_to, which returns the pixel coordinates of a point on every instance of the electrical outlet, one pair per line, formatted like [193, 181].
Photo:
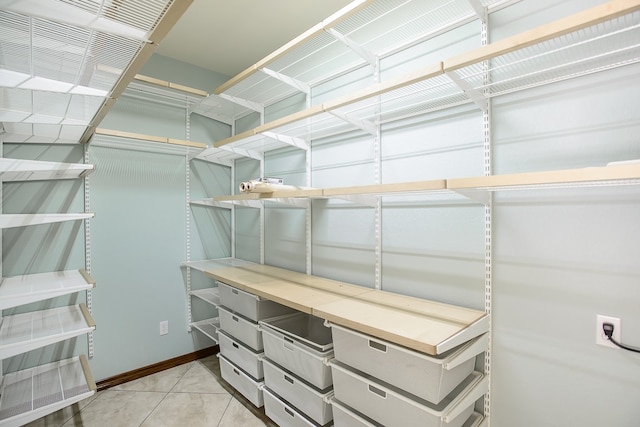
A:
[164, 327]
[601, 338]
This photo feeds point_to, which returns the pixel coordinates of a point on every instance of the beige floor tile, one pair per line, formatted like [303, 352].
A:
[199, 379]
[58, 418]
[237, 415]
[188, 409]
[117, 409]
[161, 382]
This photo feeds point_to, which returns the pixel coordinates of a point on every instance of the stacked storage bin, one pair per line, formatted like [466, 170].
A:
[297, 375]
[381, 383]
[240, 340]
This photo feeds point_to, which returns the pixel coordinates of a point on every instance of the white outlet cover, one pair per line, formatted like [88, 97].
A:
[601, 339]
[164, 327]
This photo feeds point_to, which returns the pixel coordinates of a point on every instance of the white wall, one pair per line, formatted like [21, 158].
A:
[560, 256]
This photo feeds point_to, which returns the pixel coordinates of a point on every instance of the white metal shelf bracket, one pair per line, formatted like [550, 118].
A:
[291, 201]
[474, 94]
[359, 199]
[243, 102]
[479, 9]
[364, 125]
[287, 139]
[358, 49]
[256, 155]
[288, 80]
[476, 195]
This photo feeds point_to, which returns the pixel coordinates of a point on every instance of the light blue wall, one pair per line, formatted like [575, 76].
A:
[139, 234]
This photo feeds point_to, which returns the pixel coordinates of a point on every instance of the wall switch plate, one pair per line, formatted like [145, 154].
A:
[164, 327]
[601, 338]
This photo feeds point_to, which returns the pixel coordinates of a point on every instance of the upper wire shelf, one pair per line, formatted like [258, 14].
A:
[594, 40]
[63, 61]
[358, 35]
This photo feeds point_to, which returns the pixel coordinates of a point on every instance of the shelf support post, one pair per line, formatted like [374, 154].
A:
[488, 207]
[87, 247]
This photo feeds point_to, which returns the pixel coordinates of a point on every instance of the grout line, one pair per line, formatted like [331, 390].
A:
[225, 410]
[154, 408]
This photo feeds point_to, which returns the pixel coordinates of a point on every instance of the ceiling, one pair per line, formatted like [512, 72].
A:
[227, 36]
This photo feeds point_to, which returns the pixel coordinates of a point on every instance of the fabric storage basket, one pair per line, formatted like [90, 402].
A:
[240, 328]
[388, 405]
[247, 386]
[307, 399]
[241, 355]
[283, 414]
[428, 377]
[249, 305]
[301, 344]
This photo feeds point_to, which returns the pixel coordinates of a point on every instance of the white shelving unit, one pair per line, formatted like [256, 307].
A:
[591, 41]
[25, 220]
[64, 64]
[359, 35]
[20, 290]
[28, 331]
[33, 393]
[34, 170]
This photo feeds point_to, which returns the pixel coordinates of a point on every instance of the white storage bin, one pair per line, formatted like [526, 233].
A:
[283, 414]
[249, 305]
[247, 386]
[343, 416]
[240, 328]
[301, 344]
[308, 400]
[386, 404]
[241, 355]
[429, 377]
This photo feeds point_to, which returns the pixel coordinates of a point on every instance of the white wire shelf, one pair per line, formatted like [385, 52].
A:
[28, 331]
[208, 295]
[35, 170]
[216, 264]
[20, 290]
[209, 327]
[597, 39]
[623, 173]
[39, 133]
[360, 34]
[65, 62]
[24, 220]
[31, 394]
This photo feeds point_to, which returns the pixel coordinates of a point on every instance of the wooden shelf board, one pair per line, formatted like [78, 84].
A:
[566, 176]
[238, 277]
[284, 194]
[578, 21]
[149, 138]
[426, 326]
[320, 283]
[419, 332]
[380, 189]
[445, 312]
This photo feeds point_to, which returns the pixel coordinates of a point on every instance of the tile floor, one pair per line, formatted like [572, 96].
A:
[193, 394]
